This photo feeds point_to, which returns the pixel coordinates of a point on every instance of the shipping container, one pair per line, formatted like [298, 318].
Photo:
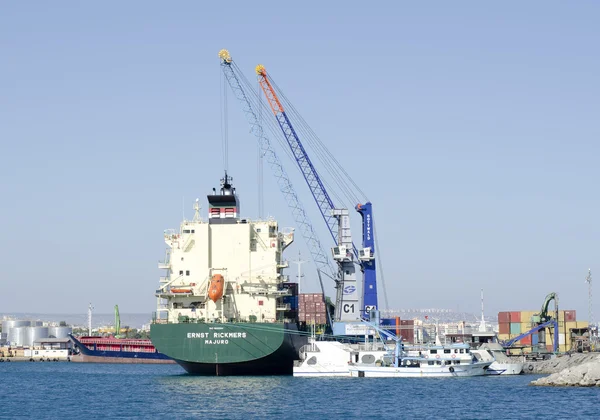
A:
[569, 326]
[408, 335]
[535, 339]
[525, 341]
[570, 316]
[503, 317]
[504, 337]
[525, 326]
[515, 317]
[582, 324]
[549, 347]
[407, 322]
[561, 338]
[515, 328]
[504, 328]
[527, 315]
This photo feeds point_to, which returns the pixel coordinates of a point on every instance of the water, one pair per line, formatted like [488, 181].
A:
[81, 390]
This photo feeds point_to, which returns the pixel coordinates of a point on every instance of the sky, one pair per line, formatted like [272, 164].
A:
[471, 127]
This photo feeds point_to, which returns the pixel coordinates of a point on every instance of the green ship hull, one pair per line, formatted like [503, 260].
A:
[230, 348]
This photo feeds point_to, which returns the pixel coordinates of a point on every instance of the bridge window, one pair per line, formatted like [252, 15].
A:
[187, 272]
[433, 351]
[446, 351]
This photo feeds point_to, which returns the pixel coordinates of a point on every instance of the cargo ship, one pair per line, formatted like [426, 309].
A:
[224, 306]
[115, 350]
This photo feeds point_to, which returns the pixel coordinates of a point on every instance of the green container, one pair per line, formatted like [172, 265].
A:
[515, 328]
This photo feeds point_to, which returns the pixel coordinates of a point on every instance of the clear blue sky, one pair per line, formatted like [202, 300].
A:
[472, 127]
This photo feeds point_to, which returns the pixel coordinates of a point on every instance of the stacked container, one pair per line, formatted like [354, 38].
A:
[312, 309]
[515, 323]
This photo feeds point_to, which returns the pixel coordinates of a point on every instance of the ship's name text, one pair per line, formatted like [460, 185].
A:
[217, 335]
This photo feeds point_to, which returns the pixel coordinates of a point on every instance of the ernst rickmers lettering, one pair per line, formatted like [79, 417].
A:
[224, 304]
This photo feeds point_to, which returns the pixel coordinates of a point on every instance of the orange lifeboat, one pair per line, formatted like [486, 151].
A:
[215, 288]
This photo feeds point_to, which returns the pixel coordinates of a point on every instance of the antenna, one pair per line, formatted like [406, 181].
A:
[197, 207]
[90, 309]
[300, 275]
[482, 324]
[588, 280]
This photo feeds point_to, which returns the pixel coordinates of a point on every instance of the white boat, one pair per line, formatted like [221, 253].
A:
[378, 359]
[501, 363]
[433, 362]
[332, 358]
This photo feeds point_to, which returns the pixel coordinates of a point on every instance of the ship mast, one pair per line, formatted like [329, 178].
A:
[300, 275]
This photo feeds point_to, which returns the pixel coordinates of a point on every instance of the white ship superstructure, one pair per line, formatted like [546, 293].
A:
[225, 268]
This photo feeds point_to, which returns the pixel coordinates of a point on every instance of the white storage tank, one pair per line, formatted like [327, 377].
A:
[8, 324]
[59, 332]
[16, 336]
[33, 334]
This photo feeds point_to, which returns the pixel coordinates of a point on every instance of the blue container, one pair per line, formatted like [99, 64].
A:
[388, 321]
[294, 302]
[535, 339]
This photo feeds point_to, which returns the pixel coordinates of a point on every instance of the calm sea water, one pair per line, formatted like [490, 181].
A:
[73, 390]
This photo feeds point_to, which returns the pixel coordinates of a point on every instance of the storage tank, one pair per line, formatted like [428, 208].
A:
[8, 324]
[59, 332]
[37, 323]
[16, 336]
[33, 334]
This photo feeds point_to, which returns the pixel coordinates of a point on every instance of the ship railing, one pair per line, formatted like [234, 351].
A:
[371, 347]
[285, 307]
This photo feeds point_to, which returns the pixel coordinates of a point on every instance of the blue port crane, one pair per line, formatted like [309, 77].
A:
[333, 219]
[239, 86]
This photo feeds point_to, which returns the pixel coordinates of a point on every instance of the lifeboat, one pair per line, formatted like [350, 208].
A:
[215, 288]
[181, 290]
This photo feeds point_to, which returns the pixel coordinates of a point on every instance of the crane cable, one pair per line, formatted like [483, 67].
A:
[224, 124]
[325, 156]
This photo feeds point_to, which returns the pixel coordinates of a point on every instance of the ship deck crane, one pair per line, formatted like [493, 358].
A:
[348, 304]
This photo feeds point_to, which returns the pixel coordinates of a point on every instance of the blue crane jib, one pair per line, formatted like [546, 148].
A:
[345, 286]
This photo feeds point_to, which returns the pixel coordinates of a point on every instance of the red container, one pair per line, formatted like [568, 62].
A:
[504, 328]
[310, 307]
[503, 317]
[301, 317]
[570, 316]
[407, 322]
[408, 335]
[526, 341]
[515, 317]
